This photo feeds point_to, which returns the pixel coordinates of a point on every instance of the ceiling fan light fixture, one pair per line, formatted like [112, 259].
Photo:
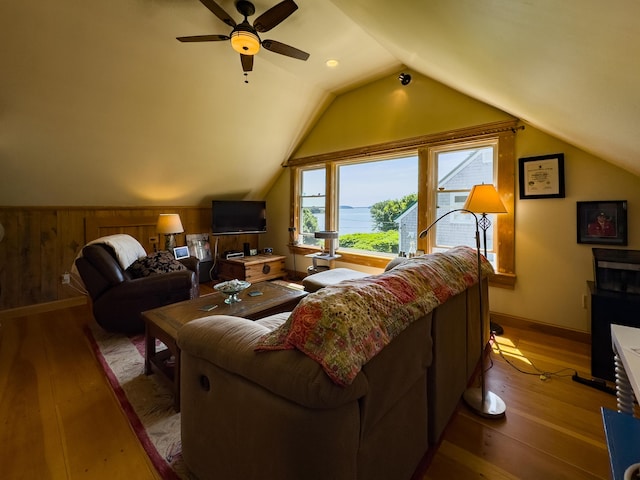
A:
[244, 36]
[245, 42]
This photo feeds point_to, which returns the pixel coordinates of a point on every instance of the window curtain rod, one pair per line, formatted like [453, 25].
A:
[478, 132]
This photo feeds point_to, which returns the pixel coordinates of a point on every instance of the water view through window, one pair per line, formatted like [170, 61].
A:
[377, 204]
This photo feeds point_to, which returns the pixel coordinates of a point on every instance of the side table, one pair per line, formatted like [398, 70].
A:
[626, 349]
[255, 268]
[622, 428]
[324, 257]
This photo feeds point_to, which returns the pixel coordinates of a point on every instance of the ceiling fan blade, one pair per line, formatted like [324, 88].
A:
[284, 49]
[247, 62]
[203, 38]
[219, 12]
[274, 15]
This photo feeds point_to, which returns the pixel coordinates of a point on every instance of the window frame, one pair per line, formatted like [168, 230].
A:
[504, 179]
[437, 189]
[301, 198]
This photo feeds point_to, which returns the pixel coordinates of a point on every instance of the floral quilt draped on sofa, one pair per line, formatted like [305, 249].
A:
[343, 326]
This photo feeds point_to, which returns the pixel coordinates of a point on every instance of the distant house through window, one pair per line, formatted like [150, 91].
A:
[458, 169]
[372, 195]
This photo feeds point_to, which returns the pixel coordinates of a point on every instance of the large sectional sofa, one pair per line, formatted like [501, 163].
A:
[358, 382]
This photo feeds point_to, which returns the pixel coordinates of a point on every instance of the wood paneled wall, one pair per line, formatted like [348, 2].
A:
[41, 244]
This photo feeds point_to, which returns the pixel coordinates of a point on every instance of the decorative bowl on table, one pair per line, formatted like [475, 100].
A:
[232, 288]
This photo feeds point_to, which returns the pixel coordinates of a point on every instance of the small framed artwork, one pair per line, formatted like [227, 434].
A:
[181, 252]
[542, 177]
[602, 222]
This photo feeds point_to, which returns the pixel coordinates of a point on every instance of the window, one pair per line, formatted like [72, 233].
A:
[375, 210]
[312, 205]
[379, 198]
[458, 168]
[377, 205]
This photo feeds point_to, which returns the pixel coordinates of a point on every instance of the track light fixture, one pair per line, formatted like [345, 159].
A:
[405, 78]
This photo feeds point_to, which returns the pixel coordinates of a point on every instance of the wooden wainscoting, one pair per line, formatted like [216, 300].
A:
[142, 228]
[41, 244]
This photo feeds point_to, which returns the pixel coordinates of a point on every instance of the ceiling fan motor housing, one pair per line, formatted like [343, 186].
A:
[245, 8]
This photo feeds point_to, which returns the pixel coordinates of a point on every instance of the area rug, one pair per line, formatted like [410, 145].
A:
[146, 400]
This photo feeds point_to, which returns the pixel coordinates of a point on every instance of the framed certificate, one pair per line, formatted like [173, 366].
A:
[542, 177]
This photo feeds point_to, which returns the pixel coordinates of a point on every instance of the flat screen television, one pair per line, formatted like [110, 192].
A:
[238, 216]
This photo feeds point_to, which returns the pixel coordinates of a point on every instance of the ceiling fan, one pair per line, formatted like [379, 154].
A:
[244, 36]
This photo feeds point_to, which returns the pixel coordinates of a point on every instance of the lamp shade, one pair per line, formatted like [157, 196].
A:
[484, 199]
[169, 223]
[244, 41]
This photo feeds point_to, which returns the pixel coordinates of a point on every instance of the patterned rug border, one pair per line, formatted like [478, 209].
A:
[161, 464]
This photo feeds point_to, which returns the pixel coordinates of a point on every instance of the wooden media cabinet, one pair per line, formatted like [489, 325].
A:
[254, 268]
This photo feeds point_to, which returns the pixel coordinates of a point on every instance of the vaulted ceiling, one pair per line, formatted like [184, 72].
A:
[99, 104]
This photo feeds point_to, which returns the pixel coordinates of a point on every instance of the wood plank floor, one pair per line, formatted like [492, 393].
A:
[552, 428]
[59, 418]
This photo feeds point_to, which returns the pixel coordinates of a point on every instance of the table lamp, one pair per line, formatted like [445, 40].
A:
[169, 224]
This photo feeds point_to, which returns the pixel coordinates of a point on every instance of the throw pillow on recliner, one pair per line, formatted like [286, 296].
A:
[158, 262]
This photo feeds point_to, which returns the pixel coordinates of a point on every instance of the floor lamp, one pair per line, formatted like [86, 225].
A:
[482, 401]
[484, 199]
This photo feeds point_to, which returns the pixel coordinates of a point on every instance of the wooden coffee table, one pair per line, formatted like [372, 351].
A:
[163, 323]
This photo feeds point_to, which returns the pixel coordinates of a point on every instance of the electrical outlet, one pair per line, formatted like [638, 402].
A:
[584, 301]
[66, 278]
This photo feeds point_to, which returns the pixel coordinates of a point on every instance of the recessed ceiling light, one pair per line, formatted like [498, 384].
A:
[331, 63]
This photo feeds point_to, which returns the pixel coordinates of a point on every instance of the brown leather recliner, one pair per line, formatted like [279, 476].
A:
[118, 299]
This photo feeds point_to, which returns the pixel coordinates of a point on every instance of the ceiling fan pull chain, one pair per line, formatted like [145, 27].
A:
[246, 77]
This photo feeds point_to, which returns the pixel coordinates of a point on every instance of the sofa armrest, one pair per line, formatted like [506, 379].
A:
[103, 263]
[229, 342]
[118, 309]
[192, 263]
[160, 285]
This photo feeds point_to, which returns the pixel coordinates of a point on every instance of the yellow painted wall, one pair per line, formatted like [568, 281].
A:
[552, 268]
[385, 110]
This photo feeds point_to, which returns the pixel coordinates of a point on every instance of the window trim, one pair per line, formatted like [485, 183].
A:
[503, 132]
[300, 197]
[431, 153]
